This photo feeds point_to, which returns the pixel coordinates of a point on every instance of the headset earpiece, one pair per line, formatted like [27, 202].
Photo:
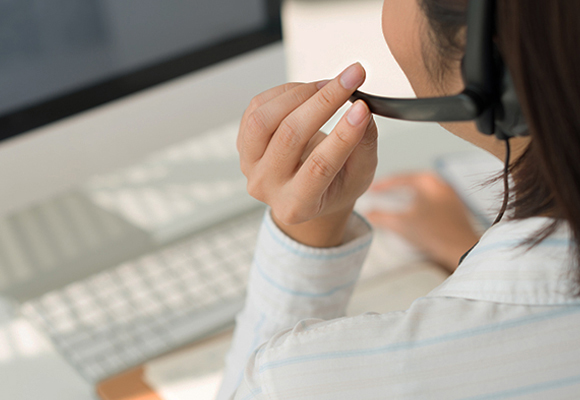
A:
[509, 118]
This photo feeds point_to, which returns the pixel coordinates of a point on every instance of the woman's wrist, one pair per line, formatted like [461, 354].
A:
[322, 232]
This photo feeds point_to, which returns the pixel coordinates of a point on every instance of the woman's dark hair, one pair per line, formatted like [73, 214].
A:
[539, 42]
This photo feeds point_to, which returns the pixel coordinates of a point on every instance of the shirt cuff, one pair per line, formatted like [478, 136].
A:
[358, 235]
[295, 276]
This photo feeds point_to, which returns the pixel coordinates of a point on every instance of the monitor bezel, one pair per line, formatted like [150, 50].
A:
[26, 119]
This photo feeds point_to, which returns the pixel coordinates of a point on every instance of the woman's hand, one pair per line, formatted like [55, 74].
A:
[437, 221]
[310, 180]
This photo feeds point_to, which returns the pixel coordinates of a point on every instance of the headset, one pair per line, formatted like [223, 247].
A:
[489, 96]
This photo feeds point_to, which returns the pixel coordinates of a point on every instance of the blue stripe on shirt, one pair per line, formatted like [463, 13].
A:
[486, 329]
[525, 390]
[510, 244]
[300, 293]
[253, 346]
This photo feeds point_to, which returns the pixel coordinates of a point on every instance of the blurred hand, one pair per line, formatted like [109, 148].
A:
[310, 180]
[437, 221]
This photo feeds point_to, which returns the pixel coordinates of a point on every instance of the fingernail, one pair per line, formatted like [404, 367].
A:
[357, 113]
[352, 76]
[322, 84]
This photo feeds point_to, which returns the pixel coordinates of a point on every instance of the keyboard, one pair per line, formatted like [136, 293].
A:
[137, 262]
[126, 315]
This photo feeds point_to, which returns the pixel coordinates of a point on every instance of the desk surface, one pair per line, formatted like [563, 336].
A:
[31, 368]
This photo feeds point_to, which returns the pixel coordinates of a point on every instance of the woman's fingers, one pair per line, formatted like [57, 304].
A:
[392, 182]
[263, 98]
[364, 156]
[263, 121]
[290, 165]
[391, 221]
[268, 95]
[328, 158]
[296, 130]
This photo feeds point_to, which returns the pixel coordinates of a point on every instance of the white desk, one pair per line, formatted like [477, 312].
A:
[30, 368]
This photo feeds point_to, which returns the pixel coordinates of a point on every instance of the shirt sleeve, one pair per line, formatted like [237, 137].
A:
[290, 282]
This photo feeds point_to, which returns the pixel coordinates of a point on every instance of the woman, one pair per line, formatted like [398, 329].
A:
[505, 323]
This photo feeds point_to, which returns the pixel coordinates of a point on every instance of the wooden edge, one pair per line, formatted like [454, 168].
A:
[126, 386]
[130, 385]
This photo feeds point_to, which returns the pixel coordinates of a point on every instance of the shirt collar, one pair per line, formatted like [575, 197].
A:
[502, 269]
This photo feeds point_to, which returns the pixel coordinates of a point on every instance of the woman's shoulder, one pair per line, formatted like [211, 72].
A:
[443, 334]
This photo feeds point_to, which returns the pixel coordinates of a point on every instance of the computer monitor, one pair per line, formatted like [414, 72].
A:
[91, 86]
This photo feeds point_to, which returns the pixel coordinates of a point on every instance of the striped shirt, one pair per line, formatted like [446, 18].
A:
[504, 325]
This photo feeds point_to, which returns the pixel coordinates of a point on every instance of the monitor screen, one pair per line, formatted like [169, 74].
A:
[61, 57]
